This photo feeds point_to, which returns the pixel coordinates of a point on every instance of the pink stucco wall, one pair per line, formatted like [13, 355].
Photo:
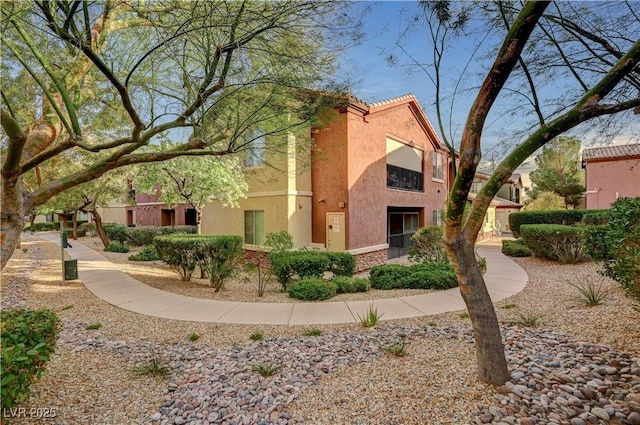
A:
[350, 166]
[609, 179]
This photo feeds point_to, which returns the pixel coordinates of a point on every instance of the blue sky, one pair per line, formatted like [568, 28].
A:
[373, 79]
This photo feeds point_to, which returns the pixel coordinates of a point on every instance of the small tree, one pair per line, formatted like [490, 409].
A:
[545, 201]
[559, 171]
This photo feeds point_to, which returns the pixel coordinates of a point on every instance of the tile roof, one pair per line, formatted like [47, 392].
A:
[505, 203]
[392, 100]
[611, 152]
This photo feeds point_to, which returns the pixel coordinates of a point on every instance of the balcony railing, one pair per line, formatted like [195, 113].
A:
[403, 179]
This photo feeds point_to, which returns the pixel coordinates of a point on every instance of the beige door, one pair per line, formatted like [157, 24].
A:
[335, 232]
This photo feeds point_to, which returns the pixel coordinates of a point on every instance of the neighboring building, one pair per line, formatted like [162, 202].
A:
[506, 201]
[148, 211]
[611, 172]
[379, 173]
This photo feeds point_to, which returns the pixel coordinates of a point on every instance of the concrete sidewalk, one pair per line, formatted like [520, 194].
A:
[503, 279]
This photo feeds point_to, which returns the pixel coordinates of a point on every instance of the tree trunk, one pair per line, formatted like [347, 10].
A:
[97, 219]
[75, 225]
[492, 363]
[12, 217]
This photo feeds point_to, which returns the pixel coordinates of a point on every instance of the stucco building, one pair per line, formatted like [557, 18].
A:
[378, 174]
[611, 172]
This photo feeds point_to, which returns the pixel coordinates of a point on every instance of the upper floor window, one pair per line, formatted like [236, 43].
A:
[404, 166]
[476, 187]
[255, 152]
[437, 166]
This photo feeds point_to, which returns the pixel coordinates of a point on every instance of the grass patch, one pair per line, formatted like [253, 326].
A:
[508, 306]
[527, 320]
[194, 337]
[397, 349]
[256, 336]
[312, 332]
[93, 326]
[266, 370]
[67, 307]
[464, 315]
[370, 318]
[432, 324]
[155, 366]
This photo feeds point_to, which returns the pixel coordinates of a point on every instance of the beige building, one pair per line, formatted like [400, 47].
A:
[279, 195]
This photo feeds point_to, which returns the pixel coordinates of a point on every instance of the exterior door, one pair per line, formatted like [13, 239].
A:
[335, 231]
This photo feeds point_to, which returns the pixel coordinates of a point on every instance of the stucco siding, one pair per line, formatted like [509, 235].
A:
[608, 180]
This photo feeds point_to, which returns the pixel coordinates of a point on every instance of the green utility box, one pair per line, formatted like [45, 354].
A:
[70, 269]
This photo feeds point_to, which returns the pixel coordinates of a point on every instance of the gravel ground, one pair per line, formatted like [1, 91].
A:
[343, 376]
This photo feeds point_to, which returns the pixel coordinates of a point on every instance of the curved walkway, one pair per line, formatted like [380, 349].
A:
[100, 276]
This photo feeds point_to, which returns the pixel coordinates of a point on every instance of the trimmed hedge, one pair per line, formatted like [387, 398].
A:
[218, 255]
[287, 264]
[515, 248]
[313, 289]
[341, 263]
[554, 241]
[595, 217]
[594, 239]
[116, 233]
[418, 276]
[117, 247]
[564, 217]
[28, 339]
[350, 285]
[44, 227]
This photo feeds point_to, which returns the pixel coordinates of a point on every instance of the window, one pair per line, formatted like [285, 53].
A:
[254, 155]
[254, 227]
[437, 166]
[476, 187]
[403, 179]
[437, 217]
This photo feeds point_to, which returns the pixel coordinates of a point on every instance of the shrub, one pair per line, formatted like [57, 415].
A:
[426, 246]
[312, 289]
[140, 236]
[545, 201]
[286, 264]
[116, 232]
[554, 241]
[172, 230]
[178, 252]
[89, 228]
[44, 227]
[217, 255]
[147, 253]
[430, 279]
[388, 276]
[81, 232]
[419, 276]
[116, 247]
[279, 241]
[622, 239]
[266, 370]
[349, 285]
[595, 217]
[565, 217]
[515, 248]
[312, 332]
[341, 263]
[28, 339]
[594, 239]
[194, 337]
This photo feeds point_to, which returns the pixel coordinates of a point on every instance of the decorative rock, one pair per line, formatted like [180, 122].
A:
[600, 413]
[634, 418]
